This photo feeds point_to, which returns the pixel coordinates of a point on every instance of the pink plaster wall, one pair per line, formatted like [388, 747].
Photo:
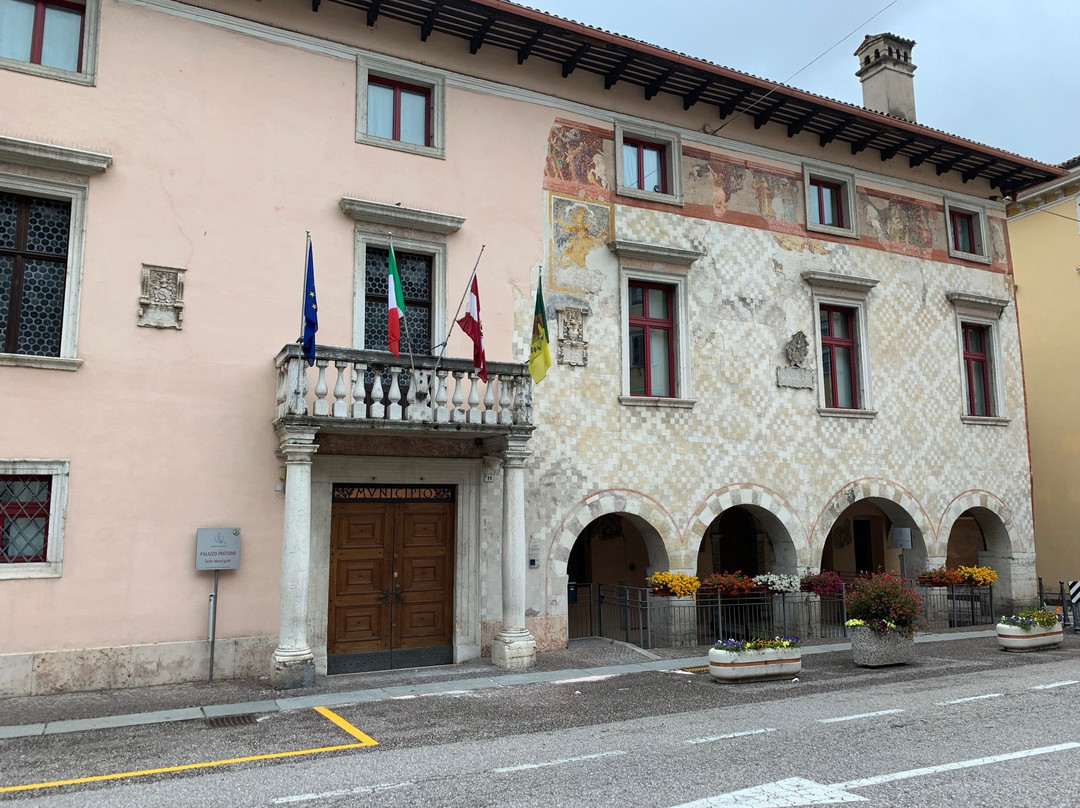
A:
[225, 150]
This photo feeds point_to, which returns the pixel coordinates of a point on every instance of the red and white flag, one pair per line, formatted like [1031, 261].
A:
[470, 324]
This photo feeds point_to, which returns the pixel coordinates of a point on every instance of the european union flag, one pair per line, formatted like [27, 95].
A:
[311, 310]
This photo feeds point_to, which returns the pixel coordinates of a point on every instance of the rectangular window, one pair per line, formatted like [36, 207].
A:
[966, 227]
[34, 236]
[399, 111]
[826, 203]
[644, 166]
[43, 33]
[24, 517]
[963, 230]
[652, 339]
[416, 279]
[977, 368]
[838, 357]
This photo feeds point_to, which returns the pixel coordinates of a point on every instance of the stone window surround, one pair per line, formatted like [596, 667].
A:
[397, 70]
[846, 181]
[670, 266]
[54, 172]
[848, 291]
[985, 311]
[667, 137]
[54, 548]
[978, 215]
[88, 74]
[415, 231]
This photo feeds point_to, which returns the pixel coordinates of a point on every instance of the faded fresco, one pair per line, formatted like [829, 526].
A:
[722, 179]
[776, 195]
[576, 156]
[577, 228]
[897, 221]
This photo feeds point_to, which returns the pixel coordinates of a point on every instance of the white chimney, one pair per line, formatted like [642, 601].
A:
[886, 73]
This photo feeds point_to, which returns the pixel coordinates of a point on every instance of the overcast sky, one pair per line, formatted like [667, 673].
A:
[1000, 72]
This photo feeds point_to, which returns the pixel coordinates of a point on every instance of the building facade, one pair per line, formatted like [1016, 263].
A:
[784, 334]
[1045, 240]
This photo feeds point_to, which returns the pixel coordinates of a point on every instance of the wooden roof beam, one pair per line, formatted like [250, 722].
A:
[373, 12]
[1004, 180]
[919, 159]
[428, 25]
[654, 87]
[694, 95]
[948, 164]
[828, 137]
[526, 50]
[477, 40]
[763, 117]
[892, 151]
[972, 173]
[571, 64]
[797, 125]
[728, 106]
[616, 72]
[860, 144]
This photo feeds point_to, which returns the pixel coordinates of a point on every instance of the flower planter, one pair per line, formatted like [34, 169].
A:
[1015, 638]
[753, 666]
[871, 649]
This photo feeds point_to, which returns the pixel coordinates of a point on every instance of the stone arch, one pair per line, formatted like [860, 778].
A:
[995, 519]
[899, 504]
[658, 529]
[786, 532]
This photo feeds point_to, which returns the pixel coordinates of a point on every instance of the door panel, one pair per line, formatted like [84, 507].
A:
[391, 585]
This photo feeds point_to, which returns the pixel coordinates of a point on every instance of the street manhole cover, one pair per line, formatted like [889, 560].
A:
[231, 720]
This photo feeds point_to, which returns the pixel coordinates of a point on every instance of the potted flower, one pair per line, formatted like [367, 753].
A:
[884, 614]
[756, 659]
[731, 583]
[940, 576]
[678, 584]
[777, 582]
[1029, 631]
[977, 576]
[826, 582]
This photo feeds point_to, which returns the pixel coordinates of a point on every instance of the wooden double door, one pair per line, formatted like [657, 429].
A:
[391, 585]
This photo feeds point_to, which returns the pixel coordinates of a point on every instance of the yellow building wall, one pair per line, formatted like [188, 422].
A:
[1046, 261]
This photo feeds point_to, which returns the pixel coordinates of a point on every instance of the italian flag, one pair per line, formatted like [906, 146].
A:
[395, 306]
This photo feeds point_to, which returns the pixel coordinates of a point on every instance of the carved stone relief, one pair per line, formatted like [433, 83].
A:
[573, 349]
[797, 374]
[161, 301]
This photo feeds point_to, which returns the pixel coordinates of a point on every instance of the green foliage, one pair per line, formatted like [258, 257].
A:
[883, 598]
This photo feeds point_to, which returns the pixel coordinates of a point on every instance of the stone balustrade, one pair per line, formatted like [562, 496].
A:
[346, 385]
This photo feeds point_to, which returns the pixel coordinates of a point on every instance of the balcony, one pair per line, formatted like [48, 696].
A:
[350, 390]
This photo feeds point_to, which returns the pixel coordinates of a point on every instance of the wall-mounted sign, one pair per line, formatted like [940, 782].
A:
[217, 548]
[901, 538]
[345, 492]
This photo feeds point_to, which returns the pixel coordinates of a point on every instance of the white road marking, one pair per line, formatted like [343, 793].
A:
[963, 764]
[559, 762]
[795, 792]
[855, 717]
[971, 698]
[1056, 684]
[342, 792]
[712, 738]
[585, 679]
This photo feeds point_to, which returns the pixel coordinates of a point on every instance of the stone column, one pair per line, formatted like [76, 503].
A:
[514, 647]
[294, 665]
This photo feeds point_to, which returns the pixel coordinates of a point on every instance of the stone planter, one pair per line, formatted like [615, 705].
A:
[673, 621]
[870, 649]
[1015, 638]
[754, 666]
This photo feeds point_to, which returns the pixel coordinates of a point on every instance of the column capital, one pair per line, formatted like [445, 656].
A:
[516, 448]
[296, 444]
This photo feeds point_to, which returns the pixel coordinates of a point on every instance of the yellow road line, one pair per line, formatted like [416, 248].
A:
[364, 740]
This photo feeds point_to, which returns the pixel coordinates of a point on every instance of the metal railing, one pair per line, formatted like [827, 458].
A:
[637, 616]
[1061, 602]
[957, 606]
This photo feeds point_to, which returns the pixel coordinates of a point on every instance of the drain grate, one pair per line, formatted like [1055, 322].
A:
[696, 669]
[231, 720]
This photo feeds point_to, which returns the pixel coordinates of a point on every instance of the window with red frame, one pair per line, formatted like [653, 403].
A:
[838, 357]
[42, 33]
[827, 203]
[963, 232]
[24, 517]
[399, 111]
[652, 339]
[977, 368]
[644, 166]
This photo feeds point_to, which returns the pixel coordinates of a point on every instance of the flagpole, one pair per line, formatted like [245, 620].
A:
[303, 293]
[464, 295]
[404, 320]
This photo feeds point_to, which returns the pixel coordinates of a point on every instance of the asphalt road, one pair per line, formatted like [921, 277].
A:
[887, 737]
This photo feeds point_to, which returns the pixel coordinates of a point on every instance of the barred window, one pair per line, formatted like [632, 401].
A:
[24, 517]
[415, 272]
[34, 235]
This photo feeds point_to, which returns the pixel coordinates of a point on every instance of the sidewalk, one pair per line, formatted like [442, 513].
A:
[76, 712]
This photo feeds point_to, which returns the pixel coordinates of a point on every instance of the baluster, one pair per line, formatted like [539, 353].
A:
[282, 378]
[489, 400]
[341, 409]
[359, 407]
[441, 415]
[378, 409]
[505, 415]
[473, 414]
[322, 406]
[395, 394]
[457, 415]
[523, 401]
[410, 396]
